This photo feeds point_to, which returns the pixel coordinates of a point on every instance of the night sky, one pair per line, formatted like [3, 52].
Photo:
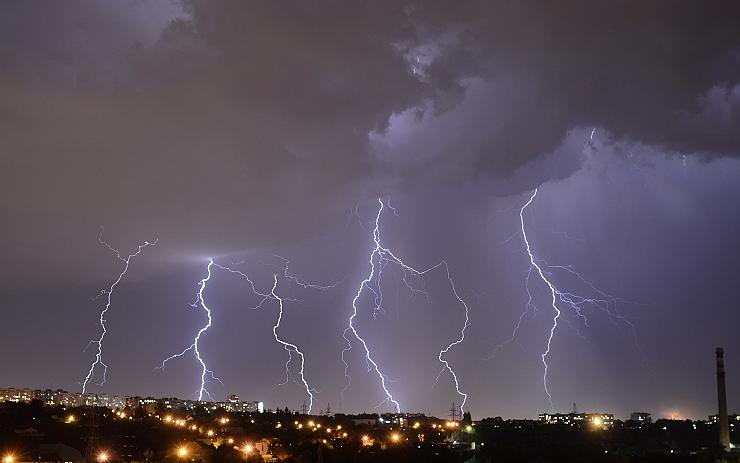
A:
[244, 131]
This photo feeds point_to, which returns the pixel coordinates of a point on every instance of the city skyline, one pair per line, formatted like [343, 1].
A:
[384, 207]
[234, 403]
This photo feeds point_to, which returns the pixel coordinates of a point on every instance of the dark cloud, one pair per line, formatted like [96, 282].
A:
[236, 118]
[233, 128]
[658, 73]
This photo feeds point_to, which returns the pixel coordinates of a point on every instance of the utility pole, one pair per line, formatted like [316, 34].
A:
[453, 412]
[92, 436]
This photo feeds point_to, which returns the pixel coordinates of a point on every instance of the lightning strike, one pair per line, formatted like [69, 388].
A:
[109, 294]
[289, 347]
[380, 257]
[195, 347]
[553, 293]
[577, 303]
[295, 279]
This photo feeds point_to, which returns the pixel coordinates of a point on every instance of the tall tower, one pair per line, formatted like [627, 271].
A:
[724, 427]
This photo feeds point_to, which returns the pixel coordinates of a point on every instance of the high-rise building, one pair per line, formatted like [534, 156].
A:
[641, 417]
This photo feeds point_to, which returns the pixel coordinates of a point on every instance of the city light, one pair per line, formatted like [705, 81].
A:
[597, 422]
[9, 458]
[182, 452]
[248, 448]
[395, 437]
[70, 419]
[103, 457]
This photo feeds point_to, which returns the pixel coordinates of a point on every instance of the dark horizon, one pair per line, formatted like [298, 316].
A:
[275, 408]
[473, 161]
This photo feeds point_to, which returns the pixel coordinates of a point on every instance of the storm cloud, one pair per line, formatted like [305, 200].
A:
[228, 127]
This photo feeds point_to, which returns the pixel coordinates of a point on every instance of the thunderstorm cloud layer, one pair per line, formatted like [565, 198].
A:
[265, 133]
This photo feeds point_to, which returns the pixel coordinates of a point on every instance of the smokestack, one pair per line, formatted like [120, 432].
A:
[724, 427]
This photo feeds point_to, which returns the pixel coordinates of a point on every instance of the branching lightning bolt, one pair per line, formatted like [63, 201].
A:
[553, 292]
[380, 258]
[289, 347]
[195, 347]
[573, 301]
[298, 280]
[456, 342]
[108, 295]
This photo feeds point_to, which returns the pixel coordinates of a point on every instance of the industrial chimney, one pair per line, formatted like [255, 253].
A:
[724, 427]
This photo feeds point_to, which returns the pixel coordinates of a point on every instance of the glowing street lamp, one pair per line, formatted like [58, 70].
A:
[9, 458]
[395, 437]
[103, 457]
[182, 452]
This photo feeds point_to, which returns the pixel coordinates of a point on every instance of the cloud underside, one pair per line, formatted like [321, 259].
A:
[249, 117]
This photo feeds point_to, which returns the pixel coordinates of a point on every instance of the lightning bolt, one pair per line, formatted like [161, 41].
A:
[290, 277]
[289, 347]
[553, 293]
[604, 302]
[380, 258]
[455, 342]
[109, 294]
[195, 347]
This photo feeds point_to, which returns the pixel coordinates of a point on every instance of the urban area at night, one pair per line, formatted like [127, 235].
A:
[327, 231]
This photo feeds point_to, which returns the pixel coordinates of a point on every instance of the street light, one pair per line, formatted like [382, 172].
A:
[103, 457]
[395, 437]
[182, 452]
[9, 458]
